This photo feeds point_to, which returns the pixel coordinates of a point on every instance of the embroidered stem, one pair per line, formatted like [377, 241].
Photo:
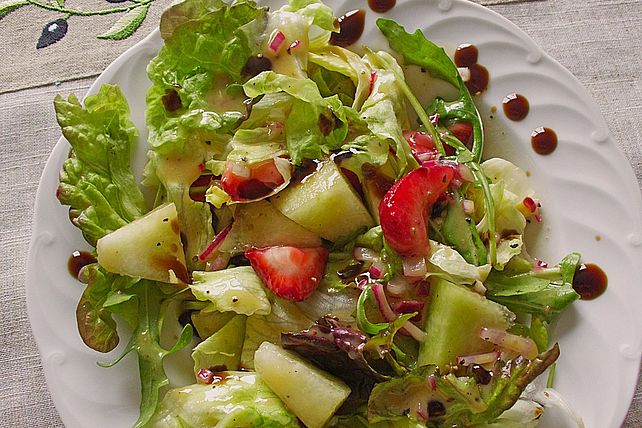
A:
[77, 12]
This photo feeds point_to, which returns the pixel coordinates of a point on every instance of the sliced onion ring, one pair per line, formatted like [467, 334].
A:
[485, 358]
[365, 254]
[216, 242]
[512, 342]
[389, 315]
[414, 267]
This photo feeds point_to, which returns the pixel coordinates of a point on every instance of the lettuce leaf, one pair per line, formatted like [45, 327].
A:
[315, 124]
[96, 180]
[449, 261]
[194, 103]
[221, 350]
[96, 324]
[239, 400]
[284, 317]
[237, 290]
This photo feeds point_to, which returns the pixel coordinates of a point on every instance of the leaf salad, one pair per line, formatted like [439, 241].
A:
[337, 251]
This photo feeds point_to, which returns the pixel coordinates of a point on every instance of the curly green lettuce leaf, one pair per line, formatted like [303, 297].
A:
[447, 260]
[240, 399]
[237, 290]
[315, 125]
[195, 102]
[315, 12]
[207, 44]
[96, 180]
[222, 350]
[384, 111]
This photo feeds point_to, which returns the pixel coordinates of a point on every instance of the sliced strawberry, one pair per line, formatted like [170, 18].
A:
[404, 208]
[422, 145]
[291, 273]
[463, 131]
[244, 183]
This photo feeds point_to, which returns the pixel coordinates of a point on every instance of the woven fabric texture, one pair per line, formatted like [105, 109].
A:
[599, 41]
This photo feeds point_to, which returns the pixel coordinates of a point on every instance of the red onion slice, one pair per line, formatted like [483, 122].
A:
[414, 267]
[277, 42]
[365, 254]
[389, 315]
[512, 342]
[399, 285]
[216, 242]
[377, 270]
[485, 358]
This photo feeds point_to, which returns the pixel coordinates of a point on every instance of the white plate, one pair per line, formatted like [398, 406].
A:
[587, 187]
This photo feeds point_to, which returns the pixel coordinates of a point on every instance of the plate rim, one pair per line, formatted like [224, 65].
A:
[153, 41]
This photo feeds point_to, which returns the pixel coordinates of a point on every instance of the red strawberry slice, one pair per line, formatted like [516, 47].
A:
[404, 208]
[243, 183]
[422, 146]
[463, 131]
[291, 273]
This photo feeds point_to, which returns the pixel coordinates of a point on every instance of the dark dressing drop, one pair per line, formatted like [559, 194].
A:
[350, 28]
[589, 281]
[515, 106]
[544, 141]
[381, 6]
[78, 260]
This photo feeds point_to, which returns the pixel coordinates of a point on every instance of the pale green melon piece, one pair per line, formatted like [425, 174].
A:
[149, 247]
[259, 225]
[310, 393]
[455, 318]
[325, 203]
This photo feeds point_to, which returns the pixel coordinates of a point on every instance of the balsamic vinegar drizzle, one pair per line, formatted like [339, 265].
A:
[351, 27]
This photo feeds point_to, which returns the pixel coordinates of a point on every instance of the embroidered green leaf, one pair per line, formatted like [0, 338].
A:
[61, 3]
[9, 6]
[127, 24]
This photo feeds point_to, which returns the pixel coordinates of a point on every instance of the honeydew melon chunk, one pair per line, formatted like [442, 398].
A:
[455, 318]
[149, 247]
[324, 203]
[259, 224]
[310, 393]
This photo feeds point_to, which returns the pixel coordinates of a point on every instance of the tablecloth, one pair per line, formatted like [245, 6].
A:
[599, 41]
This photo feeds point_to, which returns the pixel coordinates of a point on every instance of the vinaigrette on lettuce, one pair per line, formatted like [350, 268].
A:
[96, 180]
[239, 399]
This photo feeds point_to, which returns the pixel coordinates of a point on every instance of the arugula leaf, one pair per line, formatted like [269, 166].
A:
[418, 50]
[96, 180]
[145, 341]
[542, 292]
[507, 387]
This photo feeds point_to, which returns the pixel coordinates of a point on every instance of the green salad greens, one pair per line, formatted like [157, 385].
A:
[332, 262]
